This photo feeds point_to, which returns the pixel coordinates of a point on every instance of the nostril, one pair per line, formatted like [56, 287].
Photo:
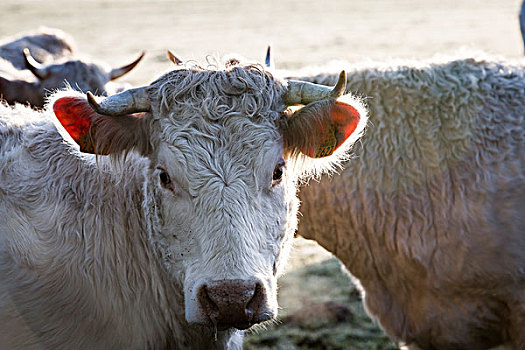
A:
[254, 305]
[210, 308]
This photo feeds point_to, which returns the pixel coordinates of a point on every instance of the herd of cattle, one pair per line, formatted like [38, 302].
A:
[161, 216]
[37, 63]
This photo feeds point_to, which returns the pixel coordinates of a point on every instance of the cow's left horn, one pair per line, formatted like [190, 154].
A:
[176, 61]
[129, 101]
[118, 72]
[36, 68]
[302, 92]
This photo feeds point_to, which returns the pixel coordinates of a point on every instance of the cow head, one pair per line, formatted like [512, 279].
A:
[80, 75]
[226, 152]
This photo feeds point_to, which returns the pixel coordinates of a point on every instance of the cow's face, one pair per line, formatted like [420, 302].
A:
[225, 209]
[220, 198]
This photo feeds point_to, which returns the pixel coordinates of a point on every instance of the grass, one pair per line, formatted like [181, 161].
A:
[323, 312]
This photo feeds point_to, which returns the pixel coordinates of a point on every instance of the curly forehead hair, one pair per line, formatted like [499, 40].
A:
[219, 92]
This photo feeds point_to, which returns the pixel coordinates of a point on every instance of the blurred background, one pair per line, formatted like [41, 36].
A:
[320, 308]
[302, 32]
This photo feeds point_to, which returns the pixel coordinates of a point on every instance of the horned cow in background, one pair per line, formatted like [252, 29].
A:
[47, 45]
[35, 64]
[174, 234]
[429, 215]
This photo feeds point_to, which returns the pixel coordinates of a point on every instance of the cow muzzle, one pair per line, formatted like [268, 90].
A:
[233, 303]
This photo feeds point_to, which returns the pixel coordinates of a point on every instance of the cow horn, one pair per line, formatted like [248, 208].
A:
[36, 68]
[268, 60]
[302, 92]
[126, 102]
[177, 61]
[118, 72]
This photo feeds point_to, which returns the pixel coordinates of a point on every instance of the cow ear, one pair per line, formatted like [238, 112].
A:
[320, 128]
[100, 134]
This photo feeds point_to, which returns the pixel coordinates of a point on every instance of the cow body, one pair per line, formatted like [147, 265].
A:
[174, 239]
[47, 45]
[87, 282]
[53, 64]
[428, 216]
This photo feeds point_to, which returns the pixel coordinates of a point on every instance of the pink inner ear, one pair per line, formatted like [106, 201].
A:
[346, 119]
[76, 116]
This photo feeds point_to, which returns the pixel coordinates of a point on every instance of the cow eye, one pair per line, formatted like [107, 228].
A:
[164, 178]
[278, 172]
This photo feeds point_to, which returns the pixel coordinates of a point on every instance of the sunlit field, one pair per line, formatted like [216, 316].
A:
[320, 307]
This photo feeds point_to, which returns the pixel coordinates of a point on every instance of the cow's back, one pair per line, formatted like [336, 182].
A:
[27, 138]
[46, 45]
[428, 214]
[15, 124]
[59, 283]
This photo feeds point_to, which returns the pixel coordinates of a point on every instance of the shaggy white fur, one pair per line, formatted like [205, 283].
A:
[101, 252]
[428, 216]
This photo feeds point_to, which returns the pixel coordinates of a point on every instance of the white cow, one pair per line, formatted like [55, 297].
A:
[430, 215]
[176, 238]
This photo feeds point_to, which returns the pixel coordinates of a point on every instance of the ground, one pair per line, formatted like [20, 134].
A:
[320, 306]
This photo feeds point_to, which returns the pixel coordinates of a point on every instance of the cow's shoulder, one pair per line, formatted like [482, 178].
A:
[19, 124]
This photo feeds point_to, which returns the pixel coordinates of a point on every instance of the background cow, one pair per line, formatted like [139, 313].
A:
[177, 244]
[47, 45]
[429, 216]
[33, 65]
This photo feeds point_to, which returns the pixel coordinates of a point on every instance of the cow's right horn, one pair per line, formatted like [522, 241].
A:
[126, 102]
[118, 72]
[36, 68]
[302, 92]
